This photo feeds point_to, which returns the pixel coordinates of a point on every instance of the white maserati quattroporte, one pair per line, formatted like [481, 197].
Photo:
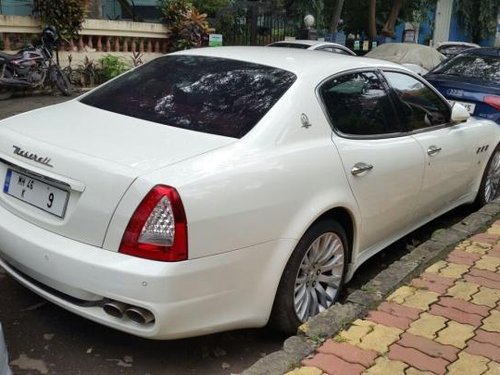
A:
[223, 188]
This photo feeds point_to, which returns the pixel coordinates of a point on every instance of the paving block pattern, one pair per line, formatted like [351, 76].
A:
[446, 321]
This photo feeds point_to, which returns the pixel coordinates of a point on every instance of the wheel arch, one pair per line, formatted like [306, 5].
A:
[346, 219]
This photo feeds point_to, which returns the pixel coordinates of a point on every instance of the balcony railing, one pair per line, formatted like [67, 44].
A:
[95, 36]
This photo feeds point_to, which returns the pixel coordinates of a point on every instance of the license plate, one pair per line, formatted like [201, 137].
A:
[470, 107]
[36, 192]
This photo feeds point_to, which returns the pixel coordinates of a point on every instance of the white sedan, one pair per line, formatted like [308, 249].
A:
[224, 188]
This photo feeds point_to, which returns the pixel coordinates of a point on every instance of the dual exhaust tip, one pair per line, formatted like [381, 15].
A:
[134, 313]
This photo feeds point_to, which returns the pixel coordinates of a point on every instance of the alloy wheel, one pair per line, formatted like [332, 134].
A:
[319, 277]
[492, 182]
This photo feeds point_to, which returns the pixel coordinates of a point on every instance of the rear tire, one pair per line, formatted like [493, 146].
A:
[490, 183]
[313, 276]
[6, 92]
[61, 81]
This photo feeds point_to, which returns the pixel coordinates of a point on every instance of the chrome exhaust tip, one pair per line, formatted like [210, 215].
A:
[114, 308]
[139, 315]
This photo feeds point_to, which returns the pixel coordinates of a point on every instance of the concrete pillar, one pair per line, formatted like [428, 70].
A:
[497, 39]
[442, 21]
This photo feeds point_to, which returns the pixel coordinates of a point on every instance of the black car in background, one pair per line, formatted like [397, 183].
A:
[472, 79]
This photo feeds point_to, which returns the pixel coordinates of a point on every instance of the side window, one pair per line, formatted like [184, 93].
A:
[420, 106]
[358, 104]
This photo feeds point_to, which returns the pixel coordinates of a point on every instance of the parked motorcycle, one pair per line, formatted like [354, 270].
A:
[32, 66]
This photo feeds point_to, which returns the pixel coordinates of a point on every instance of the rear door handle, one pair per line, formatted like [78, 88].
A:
[433, 150]
[360, 168]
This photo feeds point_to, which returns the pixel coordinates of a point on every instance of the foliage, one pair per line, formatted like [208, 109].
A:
[187, 24]
[355, 13]
[210, 7]
[66, 15]
[478, 17]
[90, 73]
[137, 58]
[112, 66]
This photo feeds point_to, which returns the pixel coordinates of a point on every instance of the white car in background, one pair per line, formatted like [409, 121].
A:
[450, 49]
[416, 57]
[314, 45]
[223, 188]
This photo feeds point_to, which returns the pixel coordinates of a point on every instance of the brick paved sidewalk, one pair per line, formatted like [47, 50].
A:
[447, 321]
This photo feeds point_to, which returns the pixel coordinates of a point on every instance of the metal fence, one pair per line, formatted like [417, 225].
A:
[253, 23]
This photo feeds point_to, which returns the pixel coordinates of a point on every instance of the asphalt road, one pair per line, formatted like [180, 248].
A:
[45, 339]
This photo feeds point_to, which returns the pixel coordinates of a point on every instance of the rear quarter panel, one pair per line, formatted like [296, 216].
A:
[270, 185]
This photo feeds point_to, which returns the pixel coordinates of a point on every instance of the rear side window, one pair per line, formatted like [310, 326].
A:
[205, 94]
[358, 104]
[420, 106]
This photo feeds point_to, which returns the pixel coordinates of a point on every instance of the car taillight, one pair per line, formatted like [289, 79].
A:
[158, 228]
[493, 100]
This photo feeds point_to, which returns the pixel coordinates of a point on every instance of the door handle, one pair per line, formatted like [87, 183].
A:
[433, 150]
[360, 168]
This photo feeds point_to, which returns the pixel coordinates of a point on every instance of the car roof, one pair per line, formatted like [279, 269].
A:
[457, 44]
[298, 61]
[483, 51]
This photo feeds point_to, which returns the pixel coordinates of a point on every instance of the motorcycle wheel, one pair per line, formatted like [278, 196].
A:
[6, 92]
[61, 81]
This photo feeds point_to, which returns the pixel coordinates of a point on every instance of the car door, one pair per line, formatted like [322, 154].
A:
[383, 164]
[447, 147]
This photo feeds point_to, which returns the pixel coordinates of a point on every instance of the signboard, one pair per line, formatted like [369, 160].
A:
[366, 45]
[215, 40]
[356, 45]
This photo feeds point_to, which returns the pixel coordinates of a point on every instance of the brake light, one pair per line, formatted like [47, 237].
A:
[493, 100]
[158, 227]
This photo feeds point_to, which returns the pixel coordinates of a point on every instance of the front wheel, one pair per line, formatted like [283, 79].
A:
[490, 183]
[313, 276]
[60, 80]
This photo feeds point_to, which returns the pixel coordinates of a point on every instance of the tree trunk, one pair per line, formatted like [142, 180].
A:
[372, 26]
[337, 11]
[476, 26]
[388, 29]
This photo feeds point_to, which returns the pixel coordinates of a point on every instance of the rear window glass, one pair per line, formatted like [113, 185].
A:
[205, 94]
[485, 68]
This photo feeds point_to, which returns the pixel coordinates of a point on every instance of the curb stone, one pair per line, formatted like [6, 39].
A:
[326, 324]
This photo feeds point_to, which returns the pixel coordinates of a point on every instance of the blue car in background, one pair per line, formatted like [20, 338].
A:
[472, 79]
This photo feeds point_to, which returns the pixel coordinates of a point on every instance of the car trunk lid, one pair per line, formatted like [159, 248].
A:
[93, 155]
[467, 92]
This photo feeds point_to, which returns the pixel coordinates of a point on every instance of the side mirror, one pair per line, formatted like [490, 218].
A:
[459, 113]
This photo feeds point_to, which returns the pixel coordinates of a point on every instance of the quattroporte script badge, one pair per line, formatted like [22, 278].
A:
[31, 156]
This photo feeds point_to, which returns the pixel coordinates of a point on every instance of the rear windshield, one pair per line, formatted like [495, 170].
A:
[485, 68]
[205, 94]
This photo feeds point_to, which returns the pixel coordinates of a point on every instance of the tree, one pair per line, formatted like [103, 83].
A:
[372, 20]
[186, 23]
[376, 17]
[390, 24]
[478, 17]
[337, 11]
[66, 15]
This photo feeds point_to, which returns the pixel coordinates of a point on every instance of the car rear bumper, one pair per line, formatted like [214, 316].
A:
[194, 297]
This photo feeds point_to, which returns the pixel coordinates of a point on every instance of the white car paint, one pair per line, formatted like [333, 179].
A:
[248, 201]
